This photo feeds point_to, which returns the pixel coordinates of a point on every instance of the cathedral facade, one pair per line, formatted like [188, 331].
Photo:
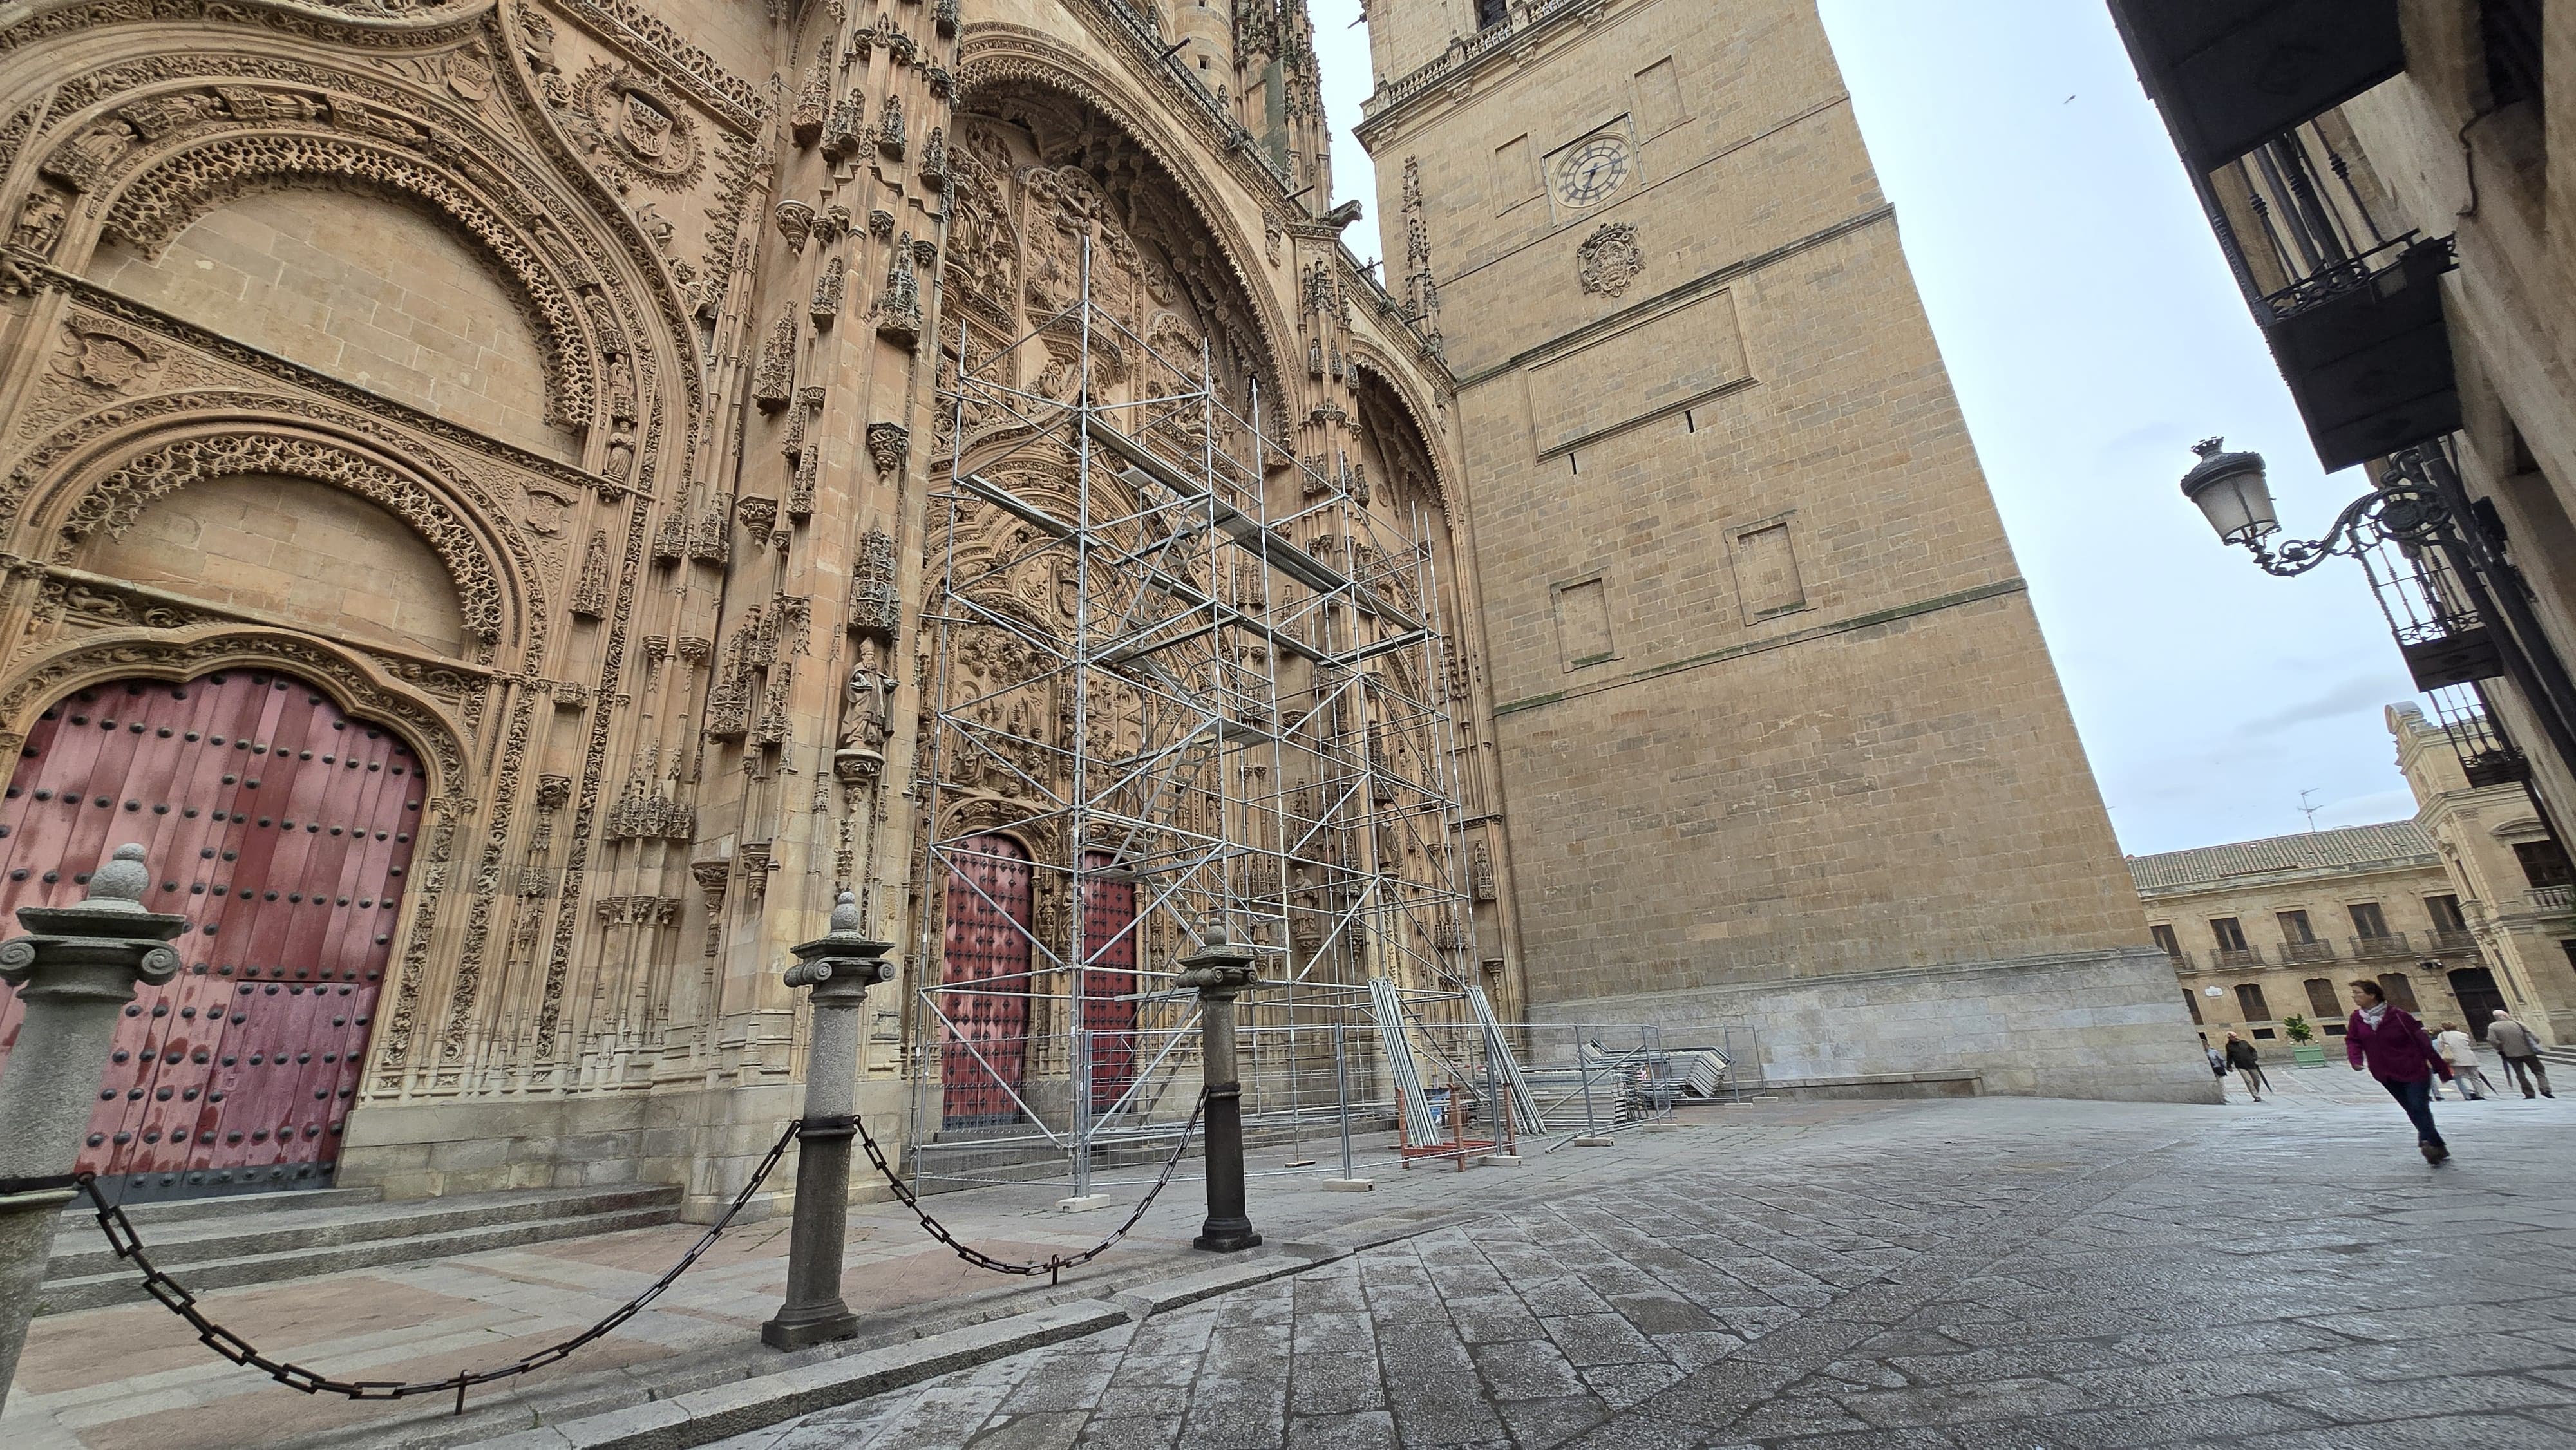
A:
[519, 503]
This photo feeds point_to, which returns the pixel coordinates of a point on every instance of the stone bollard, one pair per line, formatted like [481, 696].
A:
[839, 968]
[1221, 973]
[75, 970]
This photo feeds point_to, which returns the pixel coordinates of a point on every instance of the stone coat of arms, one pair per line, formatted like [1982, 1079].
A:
[1609, 259]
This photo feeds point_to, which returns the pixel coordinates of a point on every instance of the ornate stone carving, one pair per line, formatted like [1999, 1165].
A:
[934, 160]
[867, 707]
[108, 356]
[757, 514]
[795, 223]
[800, 488]
[897, 309]
[805, 121]
[890, 127]
[590, 597]
[888, 444]
[112, 503]
[876, 609]
[637, 128]
[775, 381]
[1609, 260]
[829, 288]
[847, 128]
[40, 220]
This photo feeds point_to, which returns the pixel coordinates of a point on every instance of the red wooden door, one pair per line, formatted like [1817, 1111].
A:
[1108, 981]
[281, 828]
[987, 974]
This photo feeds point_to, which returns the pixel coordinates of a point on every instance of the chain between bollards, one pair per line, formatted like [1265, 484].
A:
[1054, 1265]
[175, 1297]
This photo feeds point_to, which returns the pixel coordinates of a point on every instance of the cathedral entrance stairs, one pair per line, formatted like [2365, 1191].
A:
[263, 1238]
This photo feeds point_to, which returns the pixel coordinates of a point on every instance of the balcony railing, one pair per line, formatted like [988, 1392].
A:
[2240, 956]
[2442, 939]
[2182, 962]
[2552, 898]
[2375, 948]
[2295, 952]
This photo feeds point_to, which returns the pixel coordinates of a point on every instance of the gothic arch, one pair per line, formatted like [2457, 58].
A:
[352, 681]
[141, 143]
[1408, 395]
[1000, 57]
[109, 484]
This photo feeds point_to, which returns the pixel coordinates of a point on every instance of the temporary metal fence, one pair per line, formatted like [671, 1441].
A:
[1325, 1093]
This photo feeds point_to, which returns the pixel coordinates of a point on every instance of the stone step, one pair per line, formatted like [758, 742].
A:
[231, 1206]
[293, 1243]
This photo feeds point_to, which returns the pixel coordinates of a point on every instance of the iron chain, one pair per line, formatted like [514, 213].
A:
[129, 1245]
[1054, 1264]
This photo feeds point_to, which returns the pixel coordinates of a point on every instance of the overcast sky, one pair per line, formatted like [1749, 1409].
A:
[2093, 333]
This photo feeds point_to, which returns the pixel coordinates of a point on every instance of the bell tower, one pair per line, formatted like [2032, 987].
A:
[1780, 738]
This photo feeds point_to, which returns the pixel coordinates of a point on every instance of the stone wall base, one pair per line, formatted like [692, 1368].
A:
[2103, 1024]
[706, 1139]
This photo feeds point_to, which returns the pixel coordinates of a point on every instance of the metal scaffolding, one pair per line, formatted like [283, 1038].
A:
[1179, 672]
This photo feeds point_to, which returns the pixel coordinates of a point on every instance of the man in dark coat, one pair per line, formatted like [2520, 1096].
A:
[2520, 1048]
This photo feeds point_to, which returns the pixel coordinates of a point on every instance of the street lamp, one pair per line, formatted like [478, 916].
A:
[2482, 623]
[2231, 492]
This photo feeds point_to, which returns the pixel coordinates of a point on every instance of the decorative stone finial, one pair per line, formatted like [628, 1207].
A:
[119, 885]
[845, 915]
[2209, 447]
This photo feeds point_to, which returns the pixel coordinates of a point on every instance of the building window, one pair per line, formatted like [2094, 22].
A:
[2510, 31]
[2446, 913]
[2543, 863]
[2165, 939]
[2367, 923]
[2191, 1004]
[2249, 1000]
[2322, 999]
[2401, 992]
[2231, 937]
[2265, 1034]
[1490, 13]
[2295, 930]
[2569, 947]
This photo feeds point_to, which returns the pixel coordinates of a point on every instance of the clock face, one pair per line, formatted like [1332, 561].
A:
[1587, 175]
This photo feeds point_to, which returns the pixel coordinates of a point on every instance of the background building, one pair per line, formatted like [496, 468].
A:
[1768, 690]
[2464, 909]
[2377, 174]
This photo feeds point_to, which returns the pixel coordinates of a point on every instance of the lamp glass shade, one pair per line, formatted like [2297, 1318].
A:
[2233, 495]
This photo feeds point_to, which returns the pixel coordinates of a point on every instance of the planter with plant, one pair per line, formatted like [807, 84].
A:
[2305, 1050]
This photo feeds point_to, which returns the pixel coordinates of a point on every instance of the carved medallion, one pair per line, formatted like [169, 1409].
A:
[639, 125]
[106, 356]
[1610, 260]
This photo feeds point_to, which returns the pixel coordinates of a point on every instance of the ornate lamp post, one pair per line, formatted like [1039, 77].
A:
[2418, 506]
[839, 968]
[75, 969]
[1221, 972]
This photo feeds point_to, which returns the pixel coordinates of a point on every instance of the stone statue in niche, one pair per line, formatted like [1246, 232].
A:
[868, 711]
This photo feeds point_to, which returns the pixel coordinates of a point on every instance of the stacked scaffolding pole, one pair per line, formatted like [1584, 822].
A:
[1177, 672]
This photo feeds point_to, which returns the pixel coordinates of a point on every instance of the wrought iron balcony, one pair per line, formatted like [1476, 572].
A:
[2182, 962]
[2294, 953]
[2451, 941]
[2552, 898]
[2375, 948]
[2352, 312]
[2240, 956]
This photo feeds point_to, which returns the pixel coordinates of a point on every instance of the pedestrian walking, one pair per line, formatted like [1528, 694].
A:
[2392, 1045]
[2460, 1050]
[2248, 1064]
[2519, 1046]
[2217, 1062]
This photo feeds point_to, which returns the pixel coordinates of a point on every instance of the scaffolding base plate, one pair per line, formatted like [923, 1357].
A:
[1084, 1204]
[1350, 1185]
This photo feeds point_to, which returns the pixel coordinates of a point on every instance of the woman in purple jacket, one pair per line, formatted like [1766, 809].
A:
[2401, 1056]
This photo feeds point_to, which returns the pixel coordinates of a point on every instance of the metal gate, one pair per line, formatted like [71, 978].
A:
[985, 983]
[281, 828]
[1109, 982]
